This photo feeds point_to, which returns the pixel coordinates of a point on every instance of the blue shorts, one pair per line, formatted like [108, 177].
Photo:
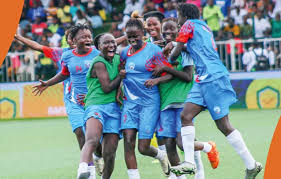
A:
[140, 117]
[107, 114]
[216, 96]
[169, 123]
[75, 114]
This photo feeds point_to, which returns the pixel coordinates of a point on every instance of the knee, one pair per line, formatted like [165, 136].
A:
[93, 141]
[225, 129]
[186, 118]
[143, 149]
[129, 143]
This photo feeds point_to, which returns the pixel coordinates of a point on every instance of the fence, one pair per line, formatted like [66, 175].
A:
[232, 51]
[24, 67]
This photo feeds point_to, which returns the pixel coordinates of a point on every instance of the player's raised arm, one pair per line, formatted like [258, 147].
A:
[30, 43]
[38, 89]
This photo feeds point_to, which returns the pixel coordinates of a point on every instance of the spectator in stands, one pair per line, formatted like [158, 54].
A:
[212, 14]
[246, 30]
[224, 6]
[256, 59]
[64, 12]
[261, 25]
[270, 13]
[195, 2]
[149, 6]
[36, 11]
[131, 5]
[238, 3]
[38, 27]
[231, 27]
[53, 38]
[81, 18]
[238, 13]
[170, 10]
[276, 26]
[75, 7]
[95, 19]
[51, 11]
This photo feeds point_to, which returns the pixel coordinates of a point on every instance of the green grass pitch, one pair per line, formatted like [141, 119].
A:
[46, 148]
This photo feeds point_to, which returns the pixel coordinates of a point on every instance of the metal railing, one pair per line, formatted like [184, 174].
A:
[231, 52]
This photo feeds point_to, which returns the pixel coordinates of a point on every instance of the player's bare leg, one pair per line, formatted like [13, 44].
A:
[129, 152]
[109, 146]
[145, 148]
[188, 136]
[80, 137]
[235, 139]
[93, 136]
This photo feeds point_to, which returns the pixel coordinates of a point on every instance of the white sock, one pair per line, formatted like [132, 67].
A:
[160, 154]
[199, 166]
[237, 142]
[207, 147]
[83, 168]
[92, 170]
[172, 176]
[162, 147]
[188, 136]
[133, 174]
[181, 177]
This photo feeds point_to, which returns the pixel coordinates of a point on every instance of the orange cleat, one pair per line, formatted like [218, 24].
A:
[213, 155]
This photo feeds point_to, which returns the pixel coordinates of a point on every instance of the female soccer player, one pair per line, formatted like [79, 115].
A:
[141, 105]
[102, 112]
[212, 90]
[55, 53]
[173, 95]
[75, 64]
[153, 22]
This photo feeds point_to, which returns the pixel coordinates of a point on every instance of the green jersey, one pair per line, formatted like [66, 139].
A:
[175, 91]
[95, 93]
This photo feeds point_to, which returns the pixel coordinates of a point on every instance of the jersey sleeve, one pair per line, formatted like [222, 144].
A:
[64, 68]
[186, 59]
[53, 53]
[186, 32]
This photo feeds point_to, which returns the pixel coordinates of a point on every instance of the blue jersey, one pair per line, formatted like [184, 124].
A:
[55, 55]
[202, 48]
[76, 66]
[139, 66]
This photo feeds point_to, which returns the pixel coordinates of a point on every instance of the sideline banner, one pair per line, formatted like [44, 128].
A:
[17, 101]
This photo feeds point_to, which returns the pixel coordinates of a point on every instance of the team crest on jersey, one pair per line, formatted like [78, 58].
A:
[217, 109]
[88, 64]
[131, 66]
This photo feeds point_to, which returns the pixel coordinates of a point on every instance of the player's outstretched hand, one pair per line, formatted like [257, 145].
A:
[80, 99]
[38, 89]
[122, 73]
[151, 82]
[168, 48]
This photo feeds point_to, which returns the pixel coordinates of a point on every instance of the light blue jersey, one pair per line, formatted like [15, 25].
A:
[139, 68]
[202, 48]
[76, 66]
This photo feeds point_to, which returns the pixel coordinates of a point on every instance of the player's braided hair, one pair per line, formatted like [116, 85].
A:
[190, 11]
[133, 22]
[74, 29]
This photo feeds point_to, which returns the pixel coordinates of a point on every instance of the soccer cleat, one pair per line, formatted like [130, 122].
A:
[251, 174]
[83, 172]
[165, 164]
[213, 155]
[92, 170]
[99, 163]
[184, 168]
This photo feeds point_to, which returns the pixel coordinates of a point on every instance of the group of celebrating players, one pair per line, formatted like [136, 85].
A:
[148, 88]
